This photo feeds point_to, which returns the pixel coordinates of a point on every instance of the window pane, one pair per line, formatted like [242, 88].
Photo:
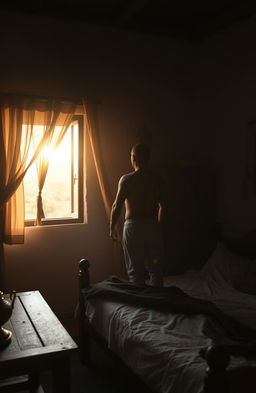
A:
[60, 191]
[57, 188]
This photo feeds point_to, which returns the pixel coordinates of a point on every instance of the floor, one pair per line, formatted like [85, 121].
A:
[103, 377]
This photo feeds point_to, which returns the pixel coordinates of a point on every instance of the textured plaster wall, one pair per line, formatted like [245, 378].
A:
[227, 103]
[144, 89]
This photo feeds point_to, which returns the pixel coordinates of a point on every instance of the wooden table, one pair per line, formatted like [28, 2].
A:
[39, 342]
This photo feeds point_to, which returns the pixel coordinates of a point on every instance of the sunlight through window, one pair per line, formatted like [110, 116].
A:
[62, 191]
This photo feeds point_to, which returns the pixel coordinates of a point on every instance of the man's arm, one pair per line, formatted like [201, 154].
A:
[162, 202]
[117, 208]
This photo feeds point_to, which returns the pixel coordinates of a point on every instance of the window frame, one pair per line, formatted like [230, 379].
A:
[81, 175]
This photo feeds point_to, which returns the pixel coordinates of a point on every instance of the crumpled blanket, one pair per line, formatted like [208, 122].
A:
[236, 338]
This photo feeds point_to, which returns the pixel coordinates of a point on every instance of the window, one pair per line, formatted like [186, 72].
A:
[62, 193]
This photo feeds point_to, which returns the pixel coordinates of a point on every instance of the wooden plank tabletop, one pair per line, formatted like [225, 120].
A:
[37, 332]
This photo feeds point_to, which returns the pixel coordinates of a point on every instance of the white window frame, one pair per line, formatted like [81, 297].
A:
[81, 175]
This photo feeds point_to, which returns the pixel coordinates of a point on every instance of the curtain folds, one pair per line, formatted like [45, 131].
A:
[94, 138]
[20, 117]
[90, 115]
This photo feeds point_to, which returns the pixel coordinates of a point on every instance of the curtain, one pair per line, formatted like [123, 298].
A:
[14, 112]
[19, 116]
[94, 138]
[91, 121]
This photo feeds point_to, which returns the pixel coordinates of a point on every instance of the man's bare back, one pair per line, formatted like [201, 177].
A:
[143, 190]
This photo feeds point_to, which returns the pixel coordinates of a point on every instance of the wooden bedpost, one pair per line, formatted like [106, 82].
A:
[84, 333]
[84, 274]
[216, 380]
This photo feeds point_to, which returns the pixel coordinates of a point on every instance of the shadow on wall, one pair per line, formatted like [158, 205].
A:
[190, 229]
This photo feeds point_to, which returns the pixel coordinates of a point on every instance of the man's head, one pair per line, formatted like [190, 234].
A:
[140, 155]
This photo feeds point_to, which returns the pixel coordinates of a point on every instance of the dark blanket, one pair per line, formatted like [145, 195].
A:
[221, 328]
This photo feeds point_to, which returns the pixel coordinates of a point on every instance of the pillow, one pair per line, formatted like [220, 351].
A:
[229, 268]
[247, 282]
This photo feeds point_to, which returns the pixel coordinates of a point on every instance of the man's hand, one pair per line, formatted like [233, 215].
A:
[114, 235]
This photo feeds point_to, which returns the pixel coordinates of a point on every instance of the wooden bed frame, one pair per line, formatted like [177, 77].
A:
[217, 360]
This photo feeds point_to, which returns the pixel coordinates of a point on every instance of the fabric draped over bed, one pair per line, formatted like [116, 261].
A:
[221, 328]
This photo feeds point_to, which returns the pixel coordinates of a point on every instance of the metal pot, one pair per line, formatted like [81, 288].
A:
[6, 308]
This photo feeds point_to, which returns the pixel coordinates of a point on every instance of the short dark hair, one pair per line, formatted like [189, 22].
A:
[141, 151]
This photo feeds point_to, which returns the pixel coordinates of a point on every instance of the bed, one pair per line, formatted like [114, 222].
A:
[196, 335]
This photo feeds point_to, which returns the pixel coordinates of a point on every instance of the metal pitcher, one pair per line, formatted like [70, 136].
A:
[6, 307]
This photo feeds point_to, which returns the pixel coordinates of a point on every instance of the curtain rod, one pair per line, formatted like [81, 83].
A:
[65, 99]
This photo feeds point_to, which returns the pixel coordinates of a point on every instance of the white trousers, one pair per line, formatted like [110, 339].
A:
[143, 250]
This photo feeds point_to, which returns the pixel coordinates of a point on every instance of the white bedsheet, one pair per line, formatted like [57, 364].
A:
[163, 349]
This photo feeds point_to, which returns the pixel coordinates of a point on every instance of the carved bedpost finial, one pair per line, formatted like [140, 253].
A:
[84, 264]
[218, 360]
[84, 274]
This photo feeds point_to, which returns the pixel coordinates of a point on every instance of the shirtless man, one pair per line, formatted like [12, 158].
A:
[143, 195]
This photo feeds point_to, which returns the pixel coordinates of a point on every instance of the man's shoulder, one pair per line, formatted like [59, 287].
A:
[126, 178]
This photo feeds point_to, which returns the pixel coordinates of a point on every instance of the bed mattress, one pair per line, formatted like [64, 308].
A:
[144, 338]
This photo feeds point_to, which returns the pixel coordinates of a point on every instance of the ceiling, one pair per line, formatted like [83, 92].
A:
[180, 19]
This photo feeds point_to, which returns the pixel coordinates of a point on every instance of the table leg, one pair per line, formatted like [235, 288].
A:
[61, 375]
[34, 382]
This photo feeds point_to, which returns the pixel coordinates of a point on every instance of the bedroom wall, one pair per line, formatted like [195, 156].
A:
[228, 102]
[144, 87]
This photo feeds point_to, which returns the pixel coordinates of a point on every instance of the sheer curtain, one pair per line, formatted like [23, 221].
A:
[19, 117]
[92, 128]
[90, 114]
[58, 121]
